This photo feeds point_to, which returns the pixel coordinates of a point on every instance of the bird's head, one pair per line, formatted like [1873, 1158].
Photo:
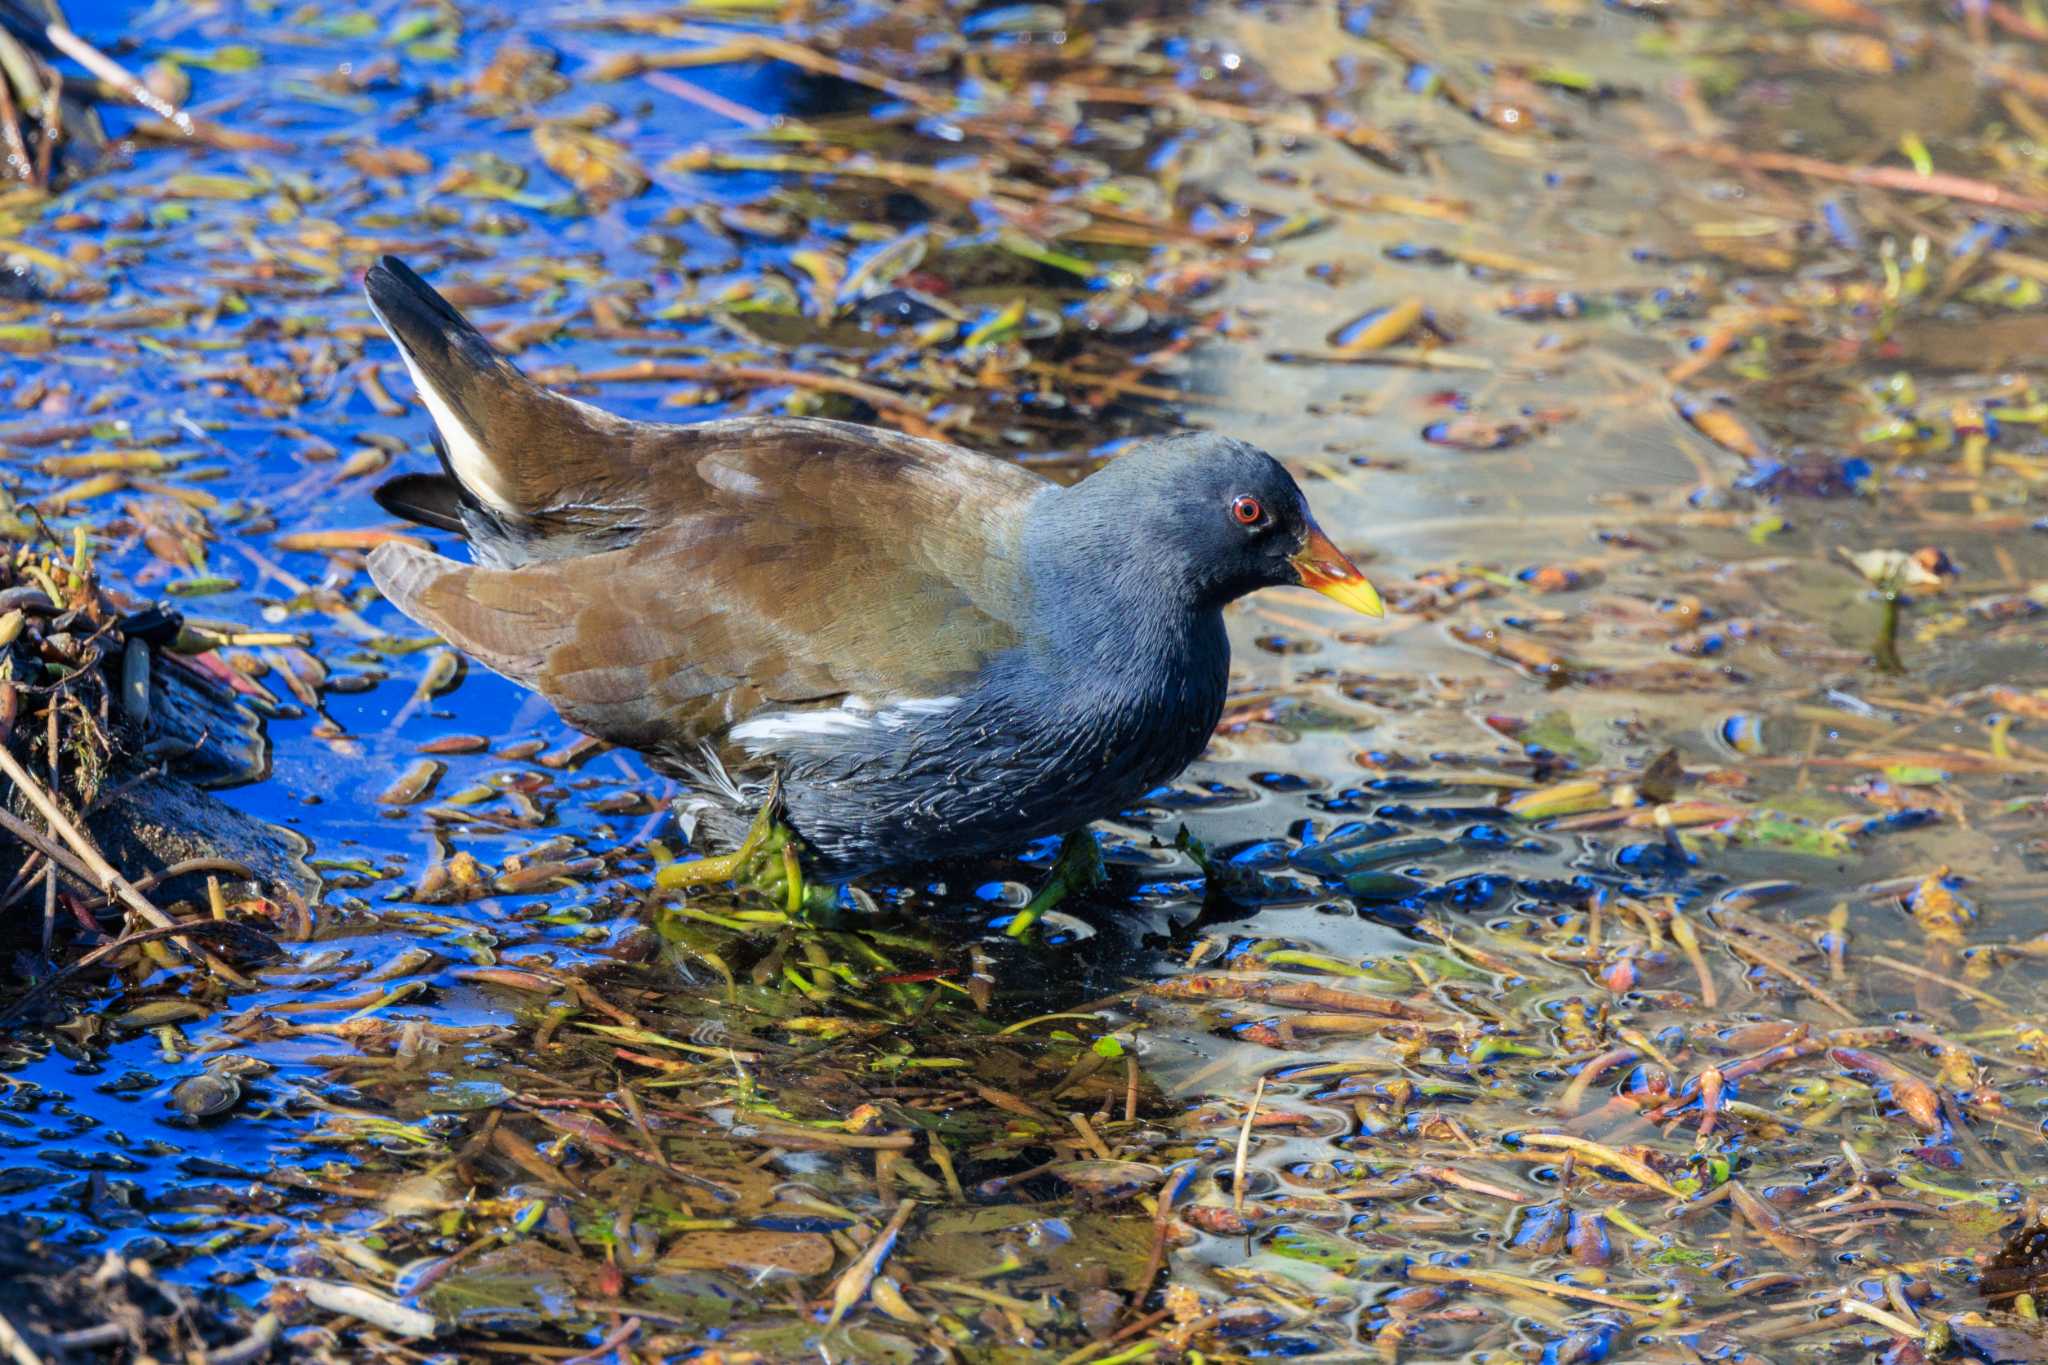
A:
[1215, 519]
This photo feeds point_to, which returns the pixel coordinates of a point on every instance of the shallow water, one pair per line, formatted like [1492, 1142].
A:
[1583, 577]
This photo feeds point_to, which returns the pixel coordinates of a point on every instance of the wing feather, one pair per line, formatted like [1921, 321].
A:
[783, 563]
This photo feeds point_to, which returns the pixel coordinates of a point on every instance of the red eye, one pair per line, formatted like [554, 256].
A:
[1246, 509]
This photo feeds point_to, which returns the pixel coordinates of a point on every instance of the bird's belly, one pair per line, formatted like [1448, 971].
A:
[966, 785]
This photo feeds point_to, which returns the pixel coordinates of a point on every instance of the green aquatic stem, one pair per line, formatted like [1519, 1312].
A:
[1928, 1187]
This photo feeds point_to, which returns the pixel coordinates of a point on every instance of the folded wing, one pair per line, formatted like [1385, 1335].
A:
[785, 563]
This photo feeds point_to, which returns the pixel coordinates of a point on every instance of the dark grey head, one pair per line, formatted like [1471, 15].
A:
[1205, 519]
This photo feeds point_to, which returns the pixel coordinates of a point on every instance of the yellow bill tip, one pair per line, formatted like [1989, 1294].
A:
[1321, 565]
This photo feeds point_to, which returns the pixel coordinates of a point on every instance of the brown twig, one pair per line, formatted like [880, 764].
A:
[107, 69]
[1162, 1227]
[46, 148]
[25, 878]
[1094, 1348]
[709, 100]
[722, 47]
[32, 837]
[1284, 121]
[1244, 1148]
[1792, 974]
[18, 159]
[14, 1346]
[1877, 177]
[248, 935]
[207, 133]
[177, 870]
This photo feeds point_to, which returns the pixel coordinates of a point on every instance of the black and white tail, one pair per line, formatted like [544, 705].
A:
[494, 427]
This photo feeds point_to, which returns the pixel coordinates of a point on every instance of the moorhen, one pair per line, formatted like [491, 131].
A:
[933, 653]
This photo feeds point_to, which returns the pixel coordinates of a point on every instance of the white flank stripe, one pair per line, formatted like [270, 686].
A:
[766, 732]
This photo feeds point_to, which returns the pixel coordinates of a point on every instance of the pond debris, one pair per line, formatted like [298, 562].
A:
[50, 129]
[110, 1307]
[94, 700]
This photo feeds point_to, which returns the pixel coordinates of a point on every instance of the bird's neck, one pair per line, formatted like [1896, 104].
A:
[1113, 618]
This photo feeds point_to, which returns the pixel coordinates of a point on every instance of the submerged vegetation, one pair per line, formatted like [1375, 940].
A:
[1633, 948]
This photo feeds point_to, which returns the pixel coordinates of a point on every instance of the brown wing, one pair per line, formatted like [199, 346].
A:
[787, 562]
[611, 475]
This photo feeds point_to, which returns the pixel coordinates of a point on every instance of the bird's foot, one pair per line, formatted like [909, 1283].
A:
[767, 860]
[1077, 868]
[1221, 880]
[726, 867]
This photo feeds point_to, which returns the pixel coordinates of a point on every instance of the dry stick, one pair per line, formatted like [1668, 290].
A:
[1973, 1145]
[181, 869]
[1162, 1226]
[14, 1346]
[1244, 1148]
[44, 845]
[252, 1347]
[24, 881]
[1792, 974]
[1891, 1322]
[210, 134]
[1689, 944]
[1503, 1282]
[111, 71]
[1282, 120]
[18, 158]
[724, 47]
[963, 186]
[1094, 1348]
[53, 133]
[103, 875]
[1984, 998]
[708, 100]
[624, 1333]
[1877, 177]
[1091, 1137]
[81, 1337]
[23, 74]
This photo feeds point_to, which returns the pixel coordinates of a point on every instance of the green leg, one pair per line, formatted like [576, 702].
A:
[726, 867]
[1078, 867]
[768, 860]
[1219, 879]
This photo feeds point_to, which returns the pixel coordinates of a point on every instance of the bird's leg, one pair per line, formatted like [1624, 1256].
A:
[725, 867]
[1077, 868]
[782, 877]
[767, 860]
[1219, 878]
